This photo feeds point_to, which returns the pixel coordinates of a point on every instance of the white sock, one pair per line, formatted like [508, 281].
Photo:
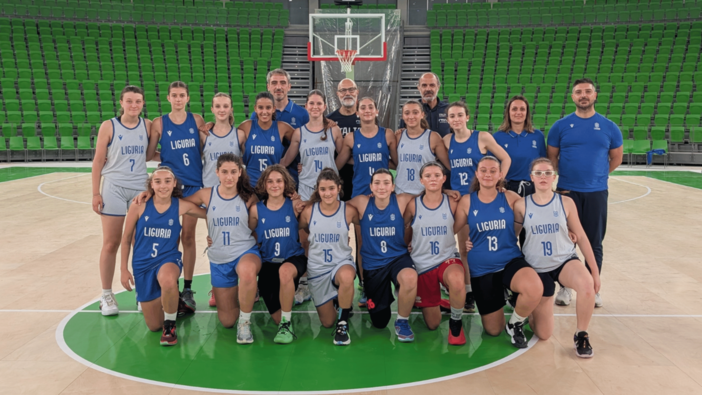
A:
[244, 316]
[170, 317]
[456, 313]
[516, 318]
[469, 288]
[287, 315]
[399, 317]
[106, 292]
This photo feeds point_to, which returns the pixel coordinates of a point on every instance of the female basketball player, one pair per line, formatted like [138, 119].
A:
[181, 150]
[275, 220]
[120, 158]
[547, 218]
[264, 137]
[495, 260]
[429, 223]
[385, 254]
[156, 262]
[222, 138]
[316, 143]
[330, 267]
[234, 256]
[416, 146]
[466, 147]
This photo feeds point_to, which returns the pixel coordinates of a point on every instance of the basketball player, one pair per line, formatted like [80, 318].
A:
[416, 146]
[330, 264]
[547, 218]
[181, 150]
[434, 109]
[264, 137]
[120, 159]
[234, 256]
[347, 118]
[465, 148]
[495, 260]
[429, 226]
[275, 220]
[156, 262]
[385, 254]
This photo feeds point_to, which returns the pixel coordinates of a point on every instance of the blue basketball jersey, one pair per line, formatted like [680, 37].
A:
[180, 150]
[277, 232]
[156, 236]
[383, 233]
[492, 233]
[262, 149]
[369, 155]
[464, 158]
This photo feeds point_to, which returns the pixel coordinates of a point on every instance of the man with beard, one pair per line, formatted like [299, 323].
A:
[434, 110]
[585, 146]
[348, 121]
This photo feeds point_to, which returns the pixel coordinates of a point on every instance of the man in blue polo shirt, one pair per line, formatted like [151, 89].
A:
[585, 147]
[434, 110]
[278, 83]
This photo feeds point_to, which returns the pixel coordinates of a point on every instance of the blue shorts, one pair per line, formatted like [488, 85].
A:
[223, 275]
[146, 281]
[188, 190]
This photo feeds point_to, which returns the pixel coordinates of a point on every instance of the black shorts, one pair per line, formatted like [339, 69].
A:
[520, 187]
[376, 282]
[346, 174]
[269, 280]
[549, 278]
[489, 290]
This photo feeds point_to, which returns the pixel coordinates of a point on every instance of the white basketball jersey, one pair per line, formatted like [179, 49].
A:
[547, 245]
[315, 155]
[228, 226]
[433, 240]
[126, 156]
[329, 241]
[412, 153]
[214, 147]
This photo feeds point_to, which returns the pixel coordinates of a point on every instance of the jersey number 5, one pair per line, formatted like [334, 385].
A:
[154, 254]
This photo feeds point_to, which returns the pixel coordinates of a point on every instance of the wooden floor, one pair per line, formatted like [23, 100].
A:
[646, 337]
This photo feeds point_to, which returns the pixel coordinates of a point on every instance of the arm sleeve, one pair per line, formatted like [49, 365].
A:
[554, 135]
[617, 139]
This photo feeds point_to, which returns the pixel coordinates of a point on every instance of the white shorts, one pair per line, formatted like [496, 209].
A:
[305, 192]
[323, 288]
[116, 200]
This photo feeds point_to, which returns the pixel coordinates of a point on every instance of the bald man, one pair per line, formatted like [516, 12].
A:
[348, 121]
[434, 110]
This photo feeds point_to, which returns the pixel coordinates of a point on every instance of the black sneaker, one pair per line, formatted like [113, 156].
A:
[469, 307]
[516, 333]
[341, 334]
[583, 349]
[183, 308]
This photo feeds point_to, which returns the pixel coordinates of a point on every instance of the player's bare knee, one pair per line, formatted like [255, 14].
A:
[407, 279]
[286, 274]
[111, 246]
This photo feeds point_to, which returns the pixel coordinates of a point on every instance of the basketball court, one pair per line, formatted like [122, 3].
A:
[54, 340]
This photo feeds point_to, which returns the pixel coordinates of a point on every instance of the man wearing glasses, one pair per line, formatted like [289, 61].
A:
[348, 121]
[434, 109]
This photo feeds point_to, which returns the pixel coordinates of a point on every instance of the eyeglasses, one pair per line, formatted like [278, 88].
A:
[547, 173]
[348, 90]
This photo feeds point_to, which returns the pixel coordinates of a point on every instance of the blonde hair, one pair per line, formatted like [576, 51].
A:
[222, 94]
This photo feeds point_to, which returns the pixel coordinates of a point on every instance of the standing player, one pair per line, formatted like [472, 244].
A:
[585, 147]
[347, 118]
[465, 148]
[156, 261]
[223, 138]
[181, 150]
[330, 265]
[234, 257]
[434, 109]
[120, 158]
[385, 254]
[274, 219]
[495, 261]
[429, 223]
[264, 134]
[416, 146]
[548, 217]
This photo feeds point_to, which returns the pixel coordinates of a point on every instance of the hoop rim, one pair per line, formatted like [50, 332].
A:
[336, 59]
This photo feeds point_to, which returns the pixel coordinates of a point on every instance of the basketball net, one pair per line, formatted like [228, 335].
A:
[346, 58]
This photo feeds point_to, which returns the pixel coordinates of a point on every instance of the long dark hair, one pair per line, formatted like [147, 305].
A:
[177, 191]
[269, 96]
[260, 189]
[243, 186]
[475, 184]
[507, 120]
[325, 121]
[458, 104]
[129, 89]
[327, 174]
[423, 123]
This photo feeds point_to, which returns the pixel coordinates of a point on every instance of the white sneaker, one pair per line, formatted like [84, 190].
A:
[243, 332]
[108, 304]
[302, 294]
[598, 300]
[563, 297]
[139, 307]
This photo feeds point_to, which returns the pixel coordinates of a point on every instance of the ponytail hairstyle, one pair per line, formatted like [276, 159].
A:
[222, 94]
[432, 163]
[506, 125]
[177, 188]
[475, 184]
[178, 84]
[317, 92]
[327, 174]
[243, 186]
[289, 189]
[423, 123]
[375, 104]
[269, 96]
[129, 89]
[382, 171]
[458, 104]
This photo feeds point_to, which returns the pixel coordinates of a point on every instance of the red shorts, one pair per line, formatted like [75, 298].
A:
[428, 289]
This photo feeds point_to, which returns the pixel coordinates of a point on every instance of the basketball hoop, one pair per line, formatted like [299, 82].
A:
[346, 58]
